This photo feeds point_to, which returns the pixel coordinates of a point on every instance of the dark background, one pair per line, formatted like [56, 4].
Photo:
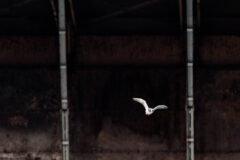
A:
[137, 54]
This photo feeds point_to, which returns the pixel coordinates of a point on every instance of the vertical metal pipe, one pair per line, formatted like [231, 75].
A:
[63, 78]
[189, 97]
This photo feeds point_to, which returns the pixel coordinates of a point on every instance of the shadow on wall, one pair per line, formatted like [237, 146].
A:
[105, 122]
[29, 98]
[106, 97]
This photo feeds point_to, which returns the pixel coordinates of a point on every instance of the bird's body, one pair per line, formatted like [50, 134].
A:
[148, 110]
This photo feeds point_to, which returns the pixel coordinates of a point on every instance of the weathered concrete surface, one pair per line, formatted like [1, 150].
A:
[119, 50]
[28, 140]
[32, 50]
[119, 156]
[137, 50]
[219, 50]
[108, 95]
[107, 124]
[29, 113]
[104, 122]
[217, 111]
[30, 156]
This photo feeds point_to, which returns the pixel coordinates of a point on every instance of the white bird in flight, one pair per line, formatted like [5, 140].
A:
[148, 110]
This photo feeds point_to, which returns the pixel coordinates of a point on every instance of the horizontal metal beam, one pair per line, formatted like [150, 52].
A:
[46, 25]
[21, 3]
[132, 26]
[119, 67]
[126, 10]
[226, 25]
[26, 26]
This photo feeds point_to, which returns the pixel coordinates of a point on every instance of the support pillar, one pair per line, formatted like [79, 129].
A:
[189, 96]
[63, 79]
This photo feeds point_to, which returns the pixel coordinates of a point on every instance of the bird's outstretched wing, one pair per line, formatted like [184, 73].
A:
[141, 101]
[160, 107]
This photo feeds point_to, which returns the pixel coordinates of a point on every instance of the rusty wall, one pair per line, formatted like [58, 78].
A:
[119, 50]
[104, 122]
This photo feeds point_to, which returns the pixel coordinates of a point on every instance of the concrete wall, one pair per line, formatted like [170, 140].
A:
[104, 122]
[119, 50]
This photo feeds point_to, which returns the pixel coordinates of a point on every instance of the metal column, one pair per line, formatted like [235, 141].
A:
[63, 79]
[189, 97]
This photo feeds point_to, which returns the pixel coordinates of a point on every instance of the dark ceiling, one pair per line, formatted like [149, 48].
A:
[120, 16]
